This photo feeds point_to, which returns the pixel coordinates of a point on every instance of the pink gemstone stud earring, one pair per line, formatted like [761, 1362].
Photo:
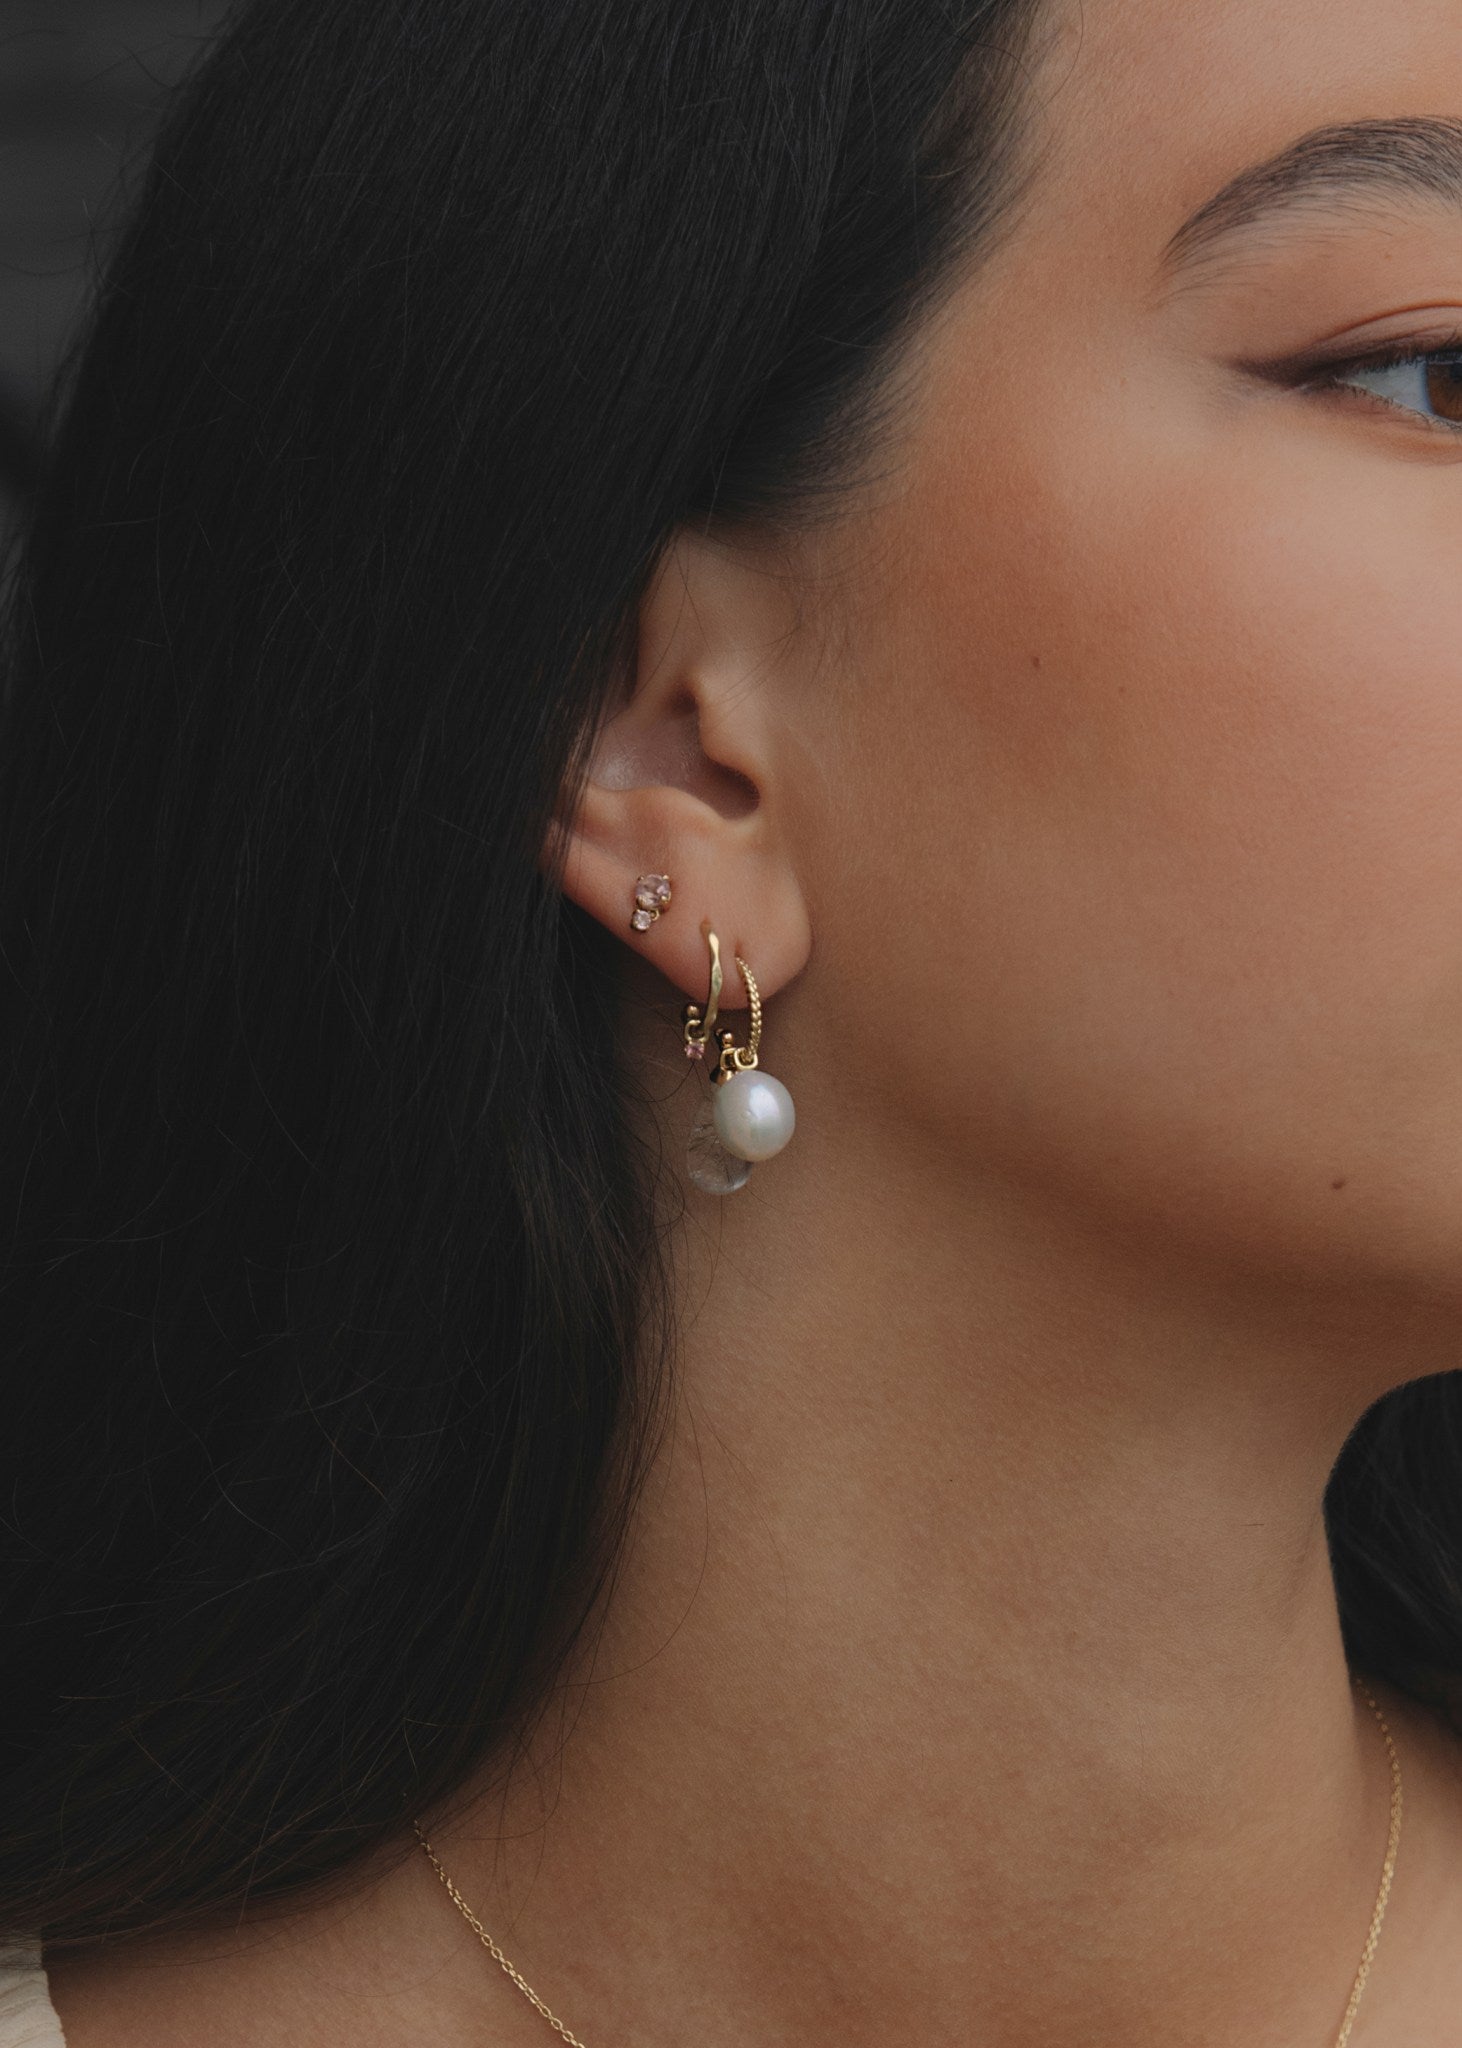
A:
[652, 894]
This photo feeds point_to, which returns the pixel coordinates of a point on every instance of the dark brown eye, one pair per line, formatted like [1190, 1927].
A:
[1428, 383]
[1444, 386]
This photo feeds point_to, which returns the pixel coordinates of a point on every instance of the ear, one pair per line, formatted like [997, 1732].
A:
[688, 779]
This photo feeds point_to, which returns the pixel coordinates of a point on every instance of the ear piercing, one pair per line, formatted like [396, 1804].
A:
[652, 895]
[749, 1115]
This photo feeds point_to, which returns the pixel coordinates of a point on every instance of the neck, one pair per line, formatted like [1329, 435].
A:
[973, 1671]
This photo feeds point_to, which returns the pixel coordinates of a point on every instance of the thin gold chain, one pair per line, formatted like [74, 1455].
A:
[1367, 1954]
[1387, 1870]
[518, 1978]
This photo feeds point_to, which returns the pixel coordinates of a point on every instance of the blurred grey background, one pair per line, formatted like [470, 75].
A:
[81, 86]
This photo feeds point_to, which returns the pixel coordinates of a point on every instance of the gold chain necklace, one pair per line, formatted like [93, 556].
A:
[1367, 1954]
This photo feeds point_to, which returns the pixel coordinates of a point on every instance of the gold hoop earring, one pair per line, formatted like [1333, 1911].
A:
[749, 1115]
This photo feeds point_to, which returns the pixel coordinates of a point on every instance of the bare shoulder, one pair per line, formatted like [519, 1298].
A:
[180, 1993]
[90, 2017]
[132, 1999]
[375, 1966]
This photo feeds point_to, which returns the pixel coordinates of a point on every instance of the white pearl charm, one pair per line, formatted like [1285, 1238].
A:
[754, 1114]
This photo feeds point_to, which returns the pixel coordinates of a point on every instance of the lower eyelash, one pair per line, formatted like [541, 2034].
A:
[1394, 355]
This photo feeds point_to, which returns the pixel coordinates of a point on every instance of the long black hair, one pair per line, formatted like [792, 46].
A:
[327, 1247]
[335, 1325]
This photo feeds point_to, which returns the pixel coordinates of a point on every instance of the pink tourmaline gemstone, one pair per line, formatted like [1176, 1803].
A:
[694, 1051]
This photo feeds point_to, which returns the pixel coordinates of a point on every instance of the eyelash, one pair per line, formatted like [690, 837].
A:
[1394, 355]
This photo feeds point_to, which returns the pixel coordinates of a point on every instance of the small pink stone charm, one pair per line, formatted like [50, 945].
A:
[694, 1050]
[652, 893]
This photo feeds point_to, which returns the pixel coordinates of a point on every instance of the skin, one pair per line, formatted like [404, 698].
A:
[1088, 802]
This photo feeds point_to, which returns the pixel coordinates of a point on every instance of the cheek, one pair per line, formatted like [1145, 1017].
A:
[1185, 728]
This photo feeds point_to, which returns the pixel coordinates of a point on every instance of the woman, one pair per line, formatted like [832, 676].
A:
[949, 1533]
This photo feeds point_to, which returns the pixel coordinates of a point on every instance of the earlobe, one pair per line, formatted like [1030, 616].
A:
[744, 887]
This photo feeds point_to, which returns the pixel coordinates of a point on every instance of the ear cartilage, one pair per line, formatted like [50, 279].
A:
[652, 894]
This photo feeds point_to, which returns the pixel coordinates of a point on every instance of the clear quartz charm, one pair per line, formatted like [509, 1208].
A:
[712, 1168]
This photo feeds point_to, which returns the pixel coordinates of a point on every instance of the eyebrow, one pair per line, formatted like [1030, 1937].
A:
[1417, 156]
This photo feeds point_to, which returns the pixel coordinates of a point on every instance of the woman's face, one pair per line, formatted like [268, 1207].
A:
[1147, 865]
